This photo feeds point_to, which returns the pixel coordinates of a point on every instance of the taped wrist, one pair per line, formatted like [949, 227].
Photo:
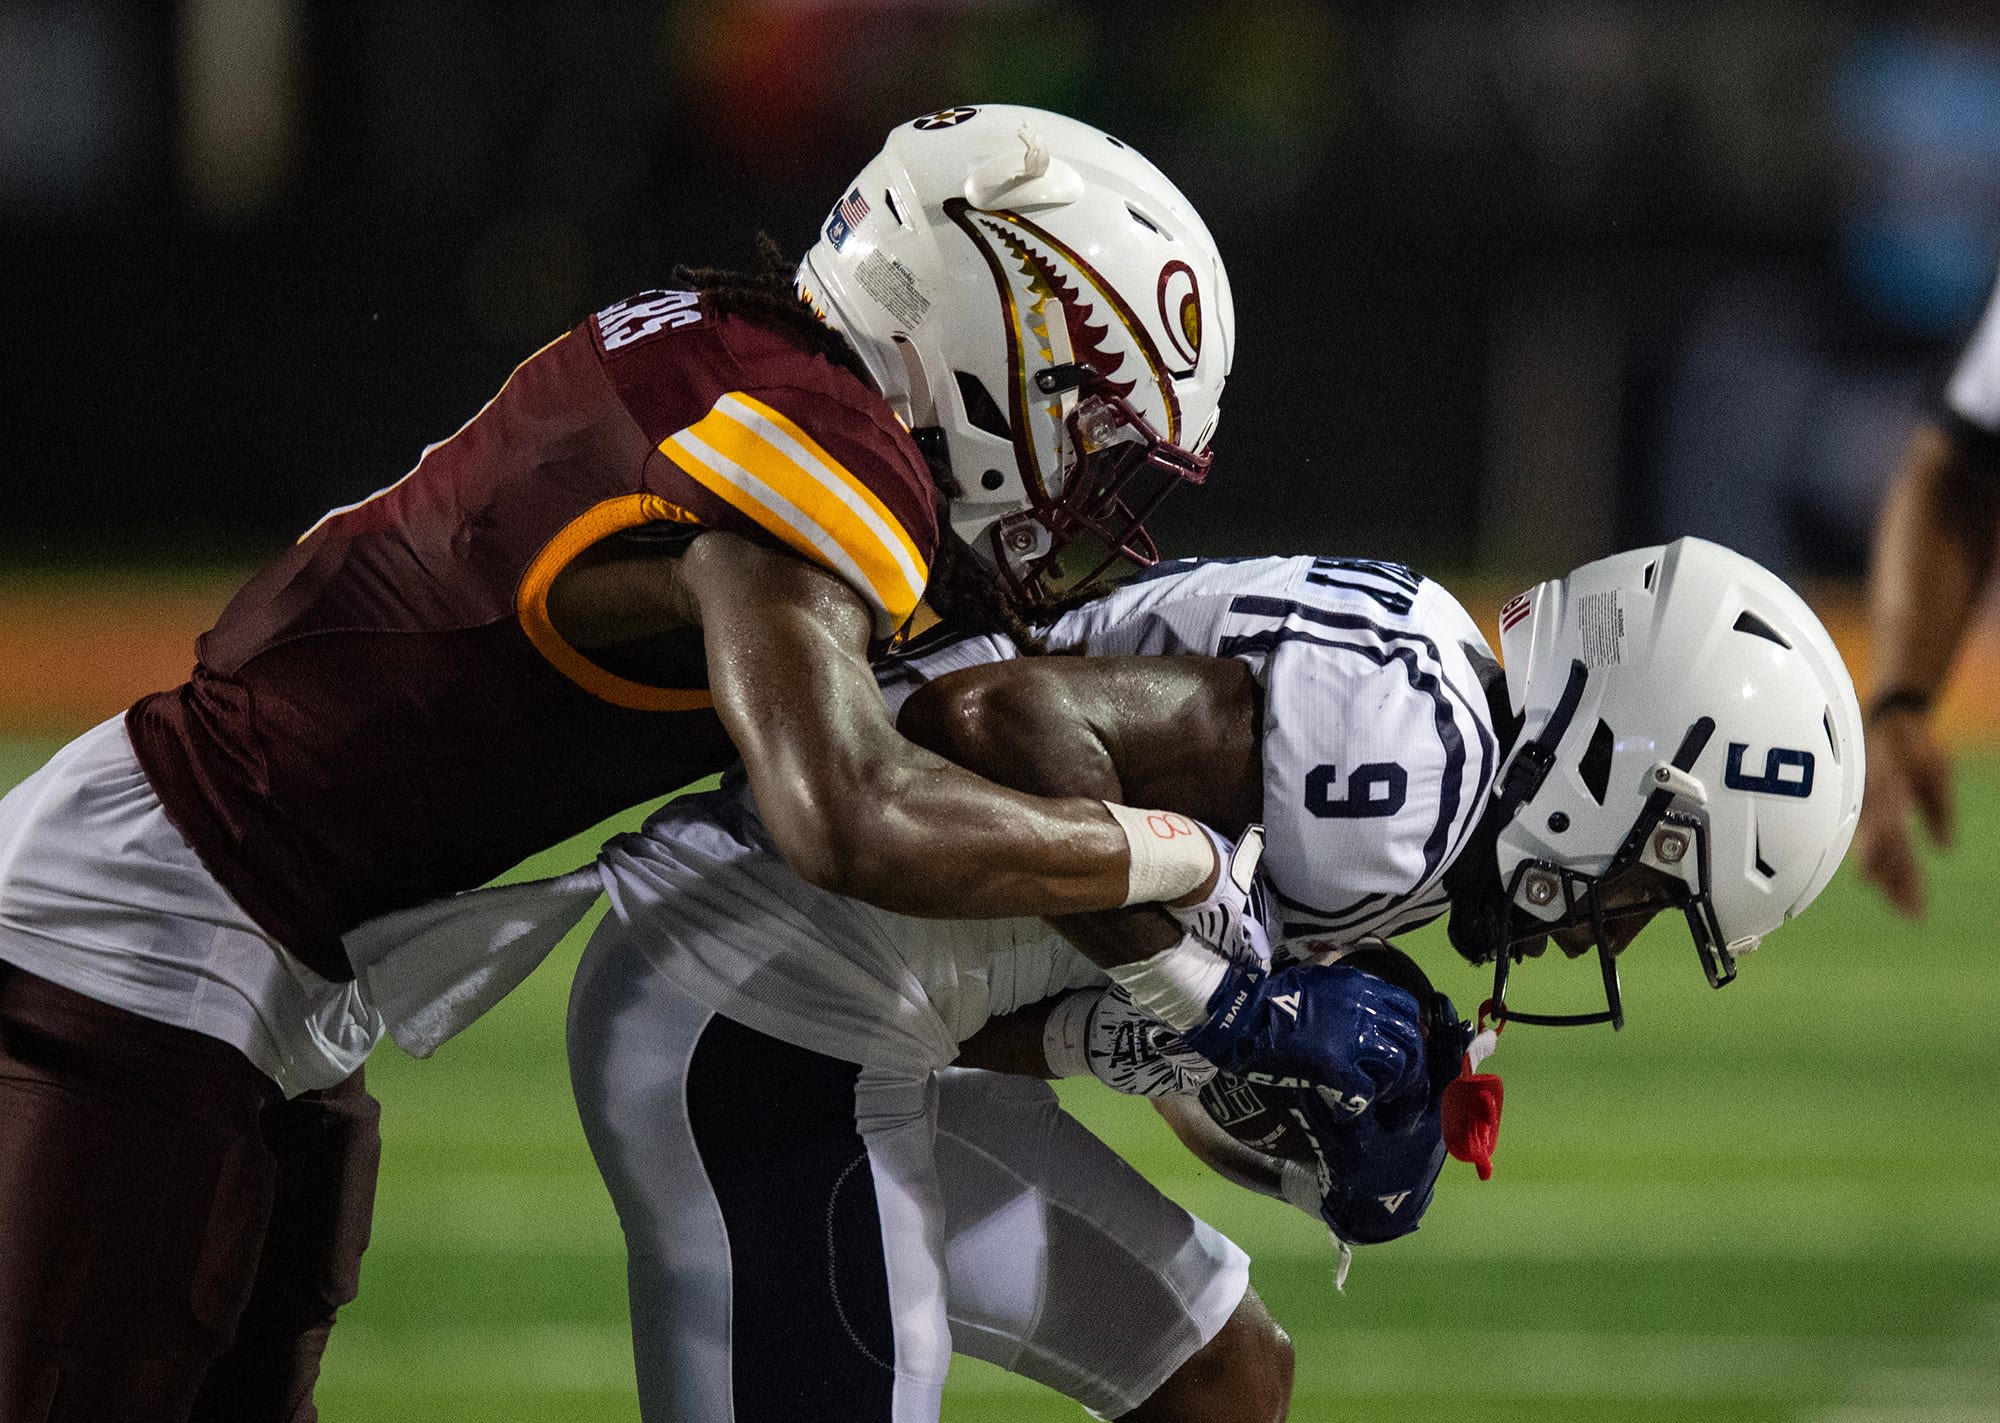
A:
[1175, 984]
[1170, 855]
[1066, 1035]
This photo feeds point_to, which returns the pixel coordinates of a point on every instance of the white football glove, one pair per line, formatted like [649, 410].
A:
[1230, 919]
[1103, 1032]
[1225, 929]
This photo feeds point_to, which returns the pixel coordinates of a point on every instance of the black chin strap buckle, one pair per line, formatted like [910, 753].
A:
[1532, 763]
[1530, 767]
[1071, 375]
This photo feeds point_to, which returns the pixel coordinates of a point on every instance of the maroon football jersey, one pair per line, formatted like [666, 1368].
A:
[385, 714]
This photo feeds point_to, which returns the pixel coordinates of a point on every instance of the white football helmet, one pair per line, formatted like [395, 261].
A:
[1683, 710]
[1039, 295]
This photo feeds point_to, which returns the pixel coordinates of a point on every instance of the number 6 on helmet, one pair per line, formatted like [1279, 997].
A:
[1683, 711]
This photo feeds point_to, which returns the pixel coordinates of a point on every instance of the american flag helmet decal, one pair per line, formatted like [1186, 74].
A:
[846, 216]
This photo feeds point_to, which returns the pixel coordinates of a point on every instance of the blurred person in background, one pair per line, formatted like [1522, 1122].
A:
[1798, 381]
[673, 538]
[1932, 565]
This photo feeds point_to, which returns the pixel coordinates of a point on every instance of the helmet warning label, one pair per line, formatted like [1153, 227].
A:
[892, 284]
[1600, 627]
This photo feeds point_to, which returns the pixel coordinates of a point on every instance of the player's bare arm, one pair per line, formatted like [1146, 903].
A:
[1216, 1149]
[854, 806]
[1934, 551]
[1012, 1042]
[1180, 733]
[1177, 732]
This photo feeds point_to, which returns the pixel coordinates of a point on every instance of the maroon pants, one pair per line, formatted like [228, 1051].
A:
[175, 1236]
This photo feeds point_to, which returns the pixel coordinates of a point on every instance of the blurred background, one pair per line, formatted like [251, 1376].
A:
[1517, 284]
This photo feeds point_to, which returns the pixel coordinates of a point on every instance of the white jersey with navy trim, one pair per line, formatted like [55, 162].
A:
[1378, 742]
[1974, 391]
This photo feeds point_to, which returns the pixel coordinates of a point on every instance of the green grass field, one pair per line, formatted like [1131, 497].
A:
[1782, 1202]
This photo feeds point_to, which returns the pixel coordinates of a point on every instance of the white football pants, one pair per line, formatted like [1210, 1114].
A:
[807, 1238]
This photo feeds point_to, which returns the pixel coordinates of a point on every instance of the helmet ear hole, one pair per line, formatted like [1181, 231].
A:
[923, 405]
[1142, 219]
[1594, 769]
[981, 409]
[1747, 621]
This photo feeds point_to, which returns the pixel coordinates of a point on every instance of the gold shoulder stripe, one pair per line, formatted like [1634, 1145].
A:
[531, 601]
[809, 454]
[765, 466]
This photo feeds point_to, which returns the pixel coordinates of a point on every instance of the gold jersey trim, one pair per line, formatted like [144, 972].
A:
[531, 601]
[760, 462]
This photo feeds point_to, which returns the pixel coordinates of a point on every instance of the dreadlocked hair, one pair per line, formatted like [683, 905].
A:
[963, 591]
[768, 298]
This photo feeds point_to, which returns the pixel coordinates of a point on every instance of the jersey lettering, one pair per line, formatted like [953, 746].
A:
[646, 314]
[1774, 781]
[1374, 790]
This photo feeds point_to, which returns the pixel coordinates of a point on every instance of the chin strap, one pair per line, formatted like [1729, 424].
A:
[1537, 756]
[1481, 910]
[1482, 913]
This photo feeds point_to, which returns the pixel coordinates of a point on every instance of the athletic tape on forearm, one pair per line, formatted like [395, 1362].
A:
[1170, 855]
[1066, 1036]
[1175, 984]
